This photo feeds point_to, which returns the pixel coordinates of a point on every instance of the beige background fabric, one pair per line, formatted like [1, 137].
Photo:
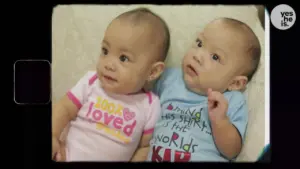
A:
[77, 32]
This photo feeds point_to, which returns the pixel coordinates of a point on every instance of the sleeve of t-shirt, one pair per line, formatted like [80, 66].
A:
[238, 114]
[78, 93]
[153, 115]
[164, 80]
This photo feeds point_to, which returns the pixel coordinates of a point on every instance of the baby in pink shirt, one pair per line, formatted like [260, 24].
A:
[110, 114]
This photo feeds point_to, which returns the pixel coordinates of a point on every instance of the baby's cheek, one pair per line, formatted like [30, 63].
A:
[140, 81]
[129, 78]
[187, 57]
[98, 66]
[200, 81]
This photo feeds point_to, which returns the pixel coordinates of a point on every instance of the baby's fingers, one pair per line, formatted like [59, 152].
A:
[58, 157]
[53, 156]
[213, 96]
[210, 104]
[216, 97]
[209, 90]
[210, 95]
[61, 155]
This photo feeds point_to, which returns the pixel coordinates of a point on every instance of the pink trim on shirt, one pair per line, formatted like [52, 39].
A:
[92, 79]
[149, 131]
[74, 99]
[148, 94]
[150, 97]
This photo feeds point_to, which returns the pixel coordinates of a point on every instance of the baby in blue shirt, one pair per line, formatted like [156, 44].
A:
[204, 112]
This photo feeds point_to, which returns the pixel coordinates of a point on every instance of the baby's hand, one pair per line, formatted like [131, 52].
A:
[55, 147]
[58, 150]
[217, 106]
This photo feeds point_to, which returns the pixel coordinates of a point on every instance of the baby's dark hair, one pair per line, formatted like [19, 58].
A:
[253, 49]
[144, 14]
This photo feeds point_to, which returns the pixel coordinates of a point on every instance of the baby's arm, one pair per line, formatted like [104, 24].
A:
[142, 151]
[63, 112]
[227, 138]
[67, 108]
[152, 117]
[229, 133]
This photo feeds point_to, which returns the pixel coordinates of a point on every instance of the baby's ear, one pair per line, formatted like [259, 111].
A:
[238, 83]
[156, 70]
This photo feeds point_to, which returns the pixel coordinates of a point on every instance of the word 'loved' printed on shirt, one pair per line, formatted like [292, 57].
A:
[112, 118]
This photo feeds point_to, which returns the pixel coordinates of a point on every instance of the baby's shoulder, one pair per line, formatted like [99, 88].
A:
[171, 73]
[146, 103]
[172, 70]
[88, 78]
[149, 99]
[91, 77]
[154, 98]
[235, 98]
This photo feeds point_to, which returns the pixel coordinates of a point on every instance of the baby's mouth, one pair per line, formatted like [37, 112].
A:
[191, 70]
[109, 78]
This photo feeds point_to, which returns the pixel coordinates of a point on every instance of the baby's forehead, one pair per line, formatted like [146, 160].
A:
[223, 34]
[138, 39]
[222, 39]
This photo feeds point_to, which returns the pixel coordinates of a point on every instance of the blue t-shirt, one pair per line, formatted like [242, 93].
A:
[183, 133]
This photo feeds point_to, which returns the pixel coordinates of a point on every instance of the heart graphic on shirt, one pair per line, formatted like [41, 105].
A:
[128, 115]
[170, 107]
[175, 136]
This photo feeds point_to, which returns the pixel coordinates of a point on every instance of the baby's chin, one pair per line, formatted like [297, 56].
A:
[116, 90]
[111, 89]
[193, 87]
[197, 91]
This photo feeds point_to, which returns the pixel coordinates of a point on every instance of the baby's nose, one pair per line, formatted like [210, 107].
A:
[110, 67]
[197, 59]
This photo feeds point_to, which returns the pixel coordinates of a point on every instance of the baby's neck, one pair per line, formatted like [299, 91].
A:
[138, 92]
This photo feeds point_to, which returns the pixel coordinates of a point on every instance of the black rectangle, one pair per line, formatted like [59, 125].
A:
[32, 82]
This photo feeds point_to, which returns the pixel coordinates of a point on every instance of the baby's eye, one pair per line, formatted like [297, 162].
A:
[123, 58]
[215, 57]
[199, 42]
[104, 51]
